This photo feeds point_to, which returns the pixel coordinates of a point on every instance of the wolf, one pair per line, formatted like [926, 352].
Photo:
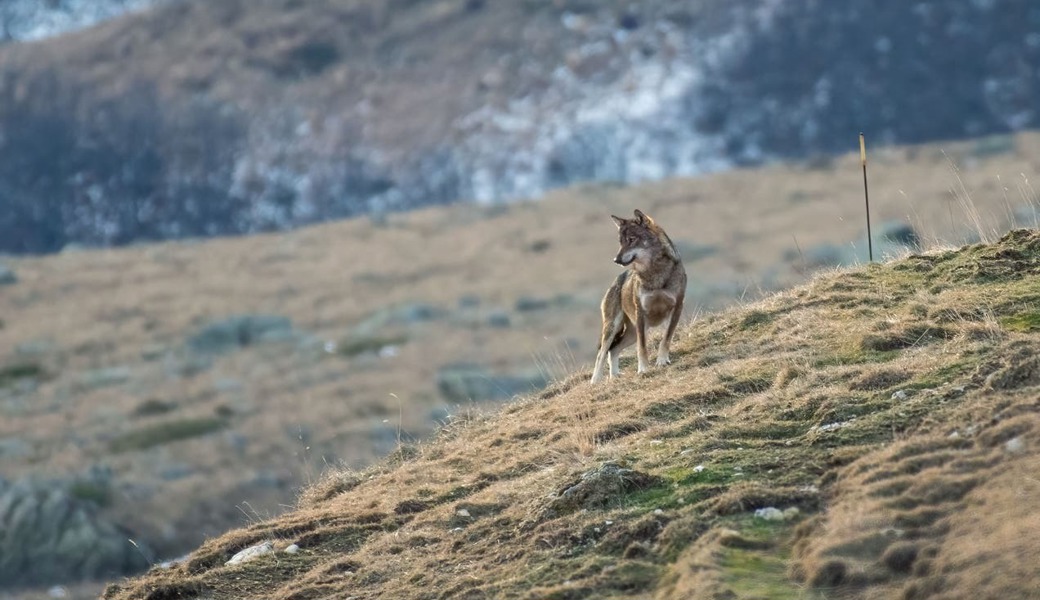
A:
[649, 292]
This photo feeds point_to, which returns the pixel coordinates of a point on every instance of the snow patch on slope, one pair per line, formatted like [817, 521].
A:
[38, 19]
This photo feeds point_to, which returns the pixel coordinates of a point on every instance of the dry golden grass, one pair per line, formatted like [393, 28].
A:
[289, 411]
[903, 436]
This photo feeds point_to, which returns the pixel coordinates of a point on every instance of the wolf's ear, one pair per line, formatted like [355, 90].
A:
[642, 218]
[618, 221]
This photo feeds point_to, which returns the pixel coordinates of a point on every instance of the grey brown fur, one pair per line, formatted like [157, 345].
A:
[648, 293]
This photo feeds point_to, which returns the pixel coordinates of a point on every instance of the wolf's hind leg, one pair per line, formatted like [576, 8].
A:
[611, 327]
[622, 341]
[663, 351]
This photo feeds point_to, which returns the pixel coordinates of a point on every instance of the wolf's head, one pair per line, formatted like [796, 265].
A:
[641, 239]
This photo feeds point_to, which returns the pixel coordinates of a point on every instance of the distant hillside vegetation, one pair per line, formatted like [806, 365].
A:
[203, 118]
[873, 434]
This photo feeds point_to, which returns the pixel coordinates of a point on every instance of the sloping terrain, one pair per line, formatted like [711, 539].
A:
[201, 118]
[186, 388]
[894, 406]
[32, 20]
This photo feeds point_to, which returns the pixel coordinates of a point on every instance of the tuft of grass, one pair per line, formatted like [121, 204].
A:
[369, 344]
[92, 491]
[154, 407]
[15, 372]
[1023, 322]
[165, 433]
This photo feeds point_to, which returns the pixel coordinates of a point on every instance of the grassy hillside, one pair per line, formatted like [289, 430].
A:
[102, 371]
[894, 406]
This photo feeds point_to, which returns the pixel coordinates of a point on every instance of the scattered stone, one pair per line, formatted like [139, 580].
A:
[418, 313]
[291, 549]
[831, 426]
[239, 331]
[658, 511]
[769, 514]
[530, 304]
[251, 553]
[462, 512]
[100, 378]
[7, 276]
[698, 468]
[1015, 445]
[791, 513]
[499, 319]
[900, 395]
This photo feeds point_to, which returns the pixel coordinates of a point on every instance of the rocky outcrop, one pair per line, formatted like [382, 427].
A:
[238, 331]
[570, 91]
[48, 536]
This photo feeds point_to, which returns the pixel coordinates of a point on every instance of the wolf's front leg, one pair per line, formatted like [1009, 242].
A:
[641, 354]
[663, 351]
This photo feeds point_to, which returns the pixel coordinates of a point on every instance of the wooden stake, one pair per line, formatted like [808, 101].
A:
[866, 192]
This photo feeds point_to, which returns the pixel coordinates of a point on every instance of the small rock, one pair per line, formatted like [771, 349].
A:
[499, 320]
[791, 513]
[656, 442]
[291, 549]
[35, 348]
[769, 514]
[1015, 445]
[698, 468]
[462, 512]
[99, 378]
[239, 331]
[831, 426]
[251, 553]
[658, 511]
[529, 304]
[7, 276]
[899, 395]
